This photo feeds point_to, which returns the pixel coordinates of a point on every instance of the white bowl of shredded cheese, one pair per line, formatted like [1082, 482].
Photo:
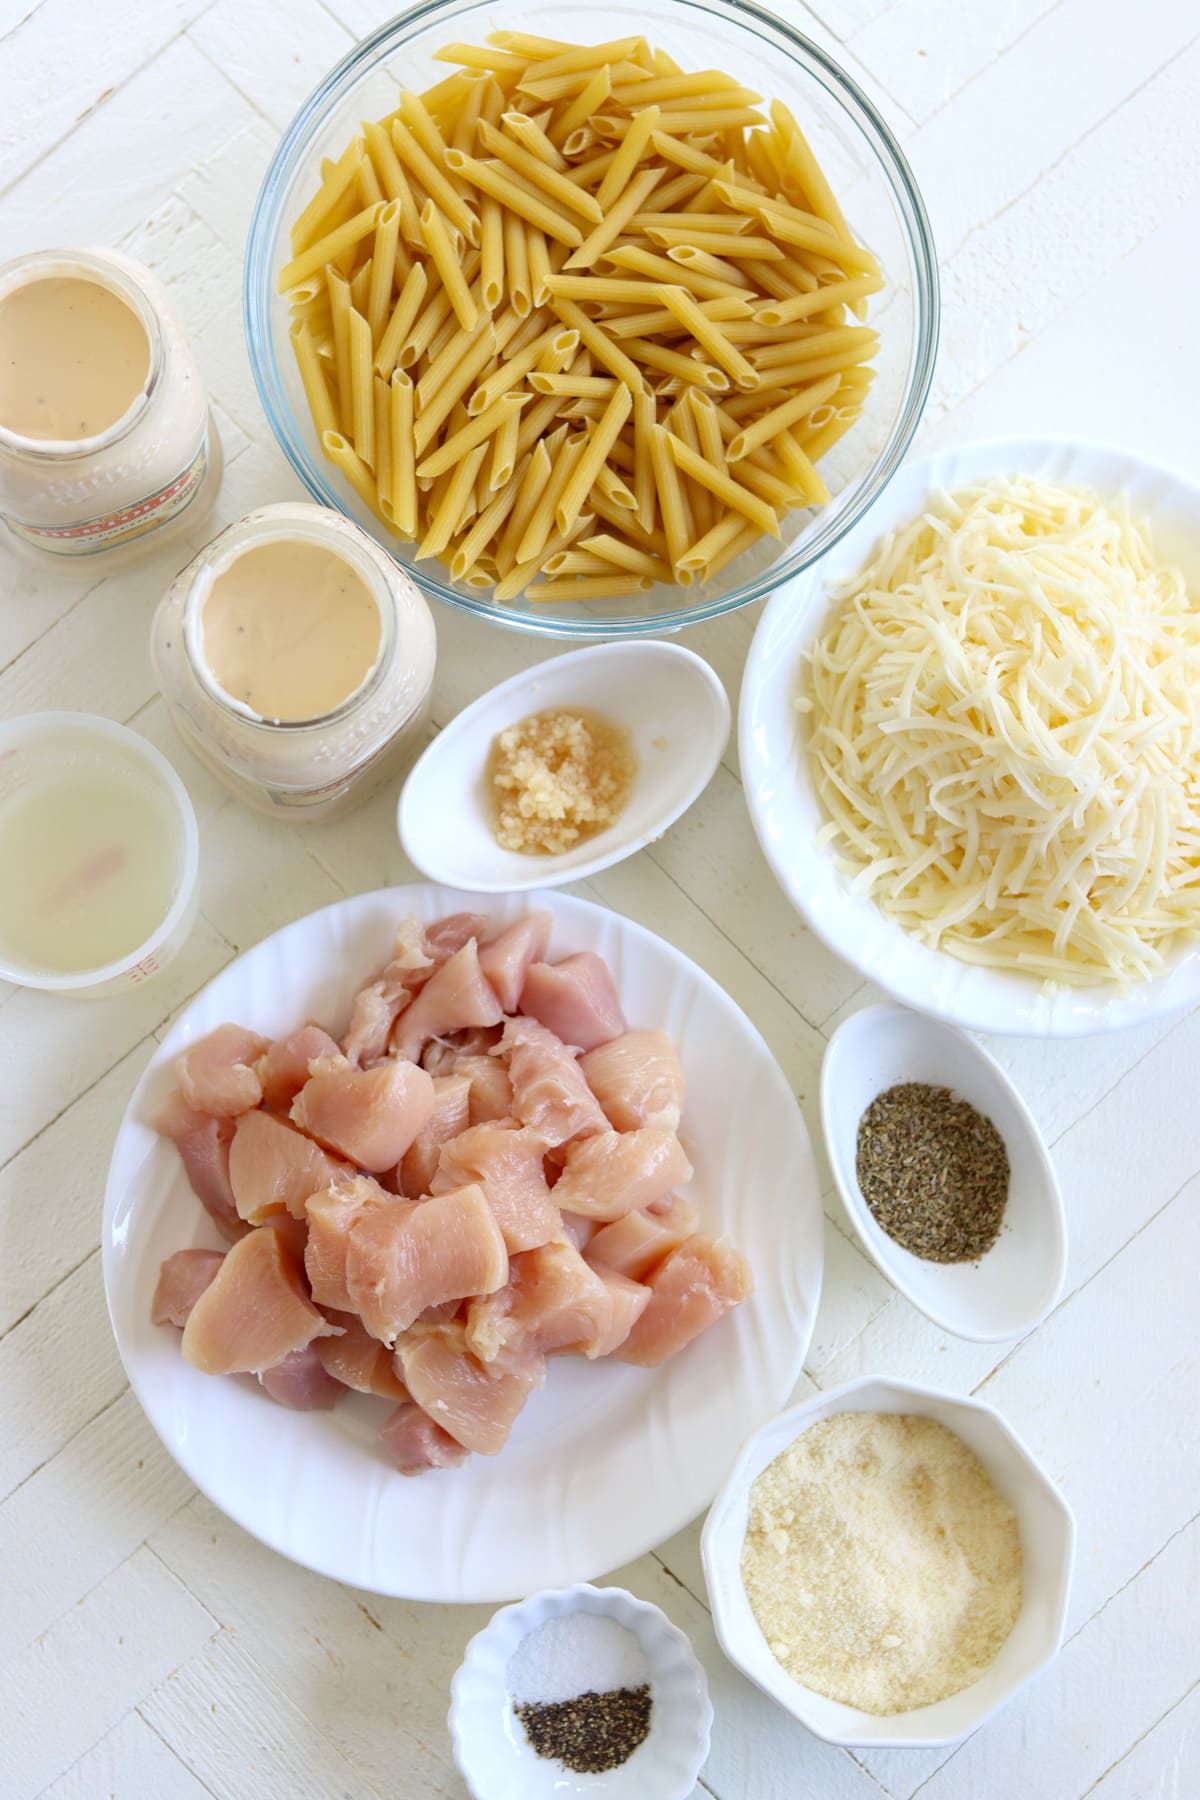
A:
[983, 790]
[883, 1520]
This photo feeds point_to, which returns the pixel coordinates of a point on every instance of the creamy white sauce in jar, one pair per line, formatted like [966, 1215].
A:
[297, 661]
[106, 446]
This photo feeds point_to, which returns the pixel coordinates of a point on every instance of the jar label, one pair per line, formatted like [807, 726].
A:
[113, 530]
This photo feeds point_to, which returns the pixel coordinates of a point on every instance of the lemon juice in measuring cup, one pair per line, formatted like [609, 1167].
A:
[98, 854]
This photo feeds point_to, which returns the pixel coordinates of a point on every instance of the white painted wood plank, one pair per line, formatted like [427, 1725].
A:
[274, 55]
[153, 723]
[741, 897]
[222, 191]
[58, 1369]
[374, 1673]
[242, 1735]
[853, 1293]
[1025, 111]
[1140, 1428]
[1109, 1684]
[1144, 159]
[78, 1679]
[122, 160]
[55, 74]
[50, 1194]
[52, 1049]
[130, 1763]
[925, 51]
[95, 1502]
[263, 876]
[1164, 1764]
[33, 600]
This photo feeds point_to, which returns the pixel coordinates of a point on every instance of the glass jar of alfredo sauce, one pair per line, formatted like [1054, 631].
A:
[106, 444]
[297, 661]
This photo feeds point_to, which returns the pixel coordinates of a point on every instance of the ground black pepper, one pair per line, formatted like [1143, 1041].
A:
[591, 1733]
[933, 1171]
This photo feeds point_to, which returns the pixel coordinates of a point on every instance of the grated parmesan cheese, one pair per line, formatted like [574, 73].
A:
[881, 1563]
[1002, 725]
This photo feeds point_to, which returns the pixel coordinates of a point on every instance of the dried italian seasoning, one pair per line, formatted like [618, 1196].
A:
[933, 1171]
[592, 1732]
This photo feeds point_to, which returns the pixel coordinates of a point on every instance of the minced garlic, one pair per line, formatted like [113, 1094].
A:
[556, 778]
[881, 1563]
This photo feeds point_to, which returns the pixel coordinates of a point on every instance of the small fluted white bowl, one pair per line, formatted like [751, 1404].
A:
[1010, 1289]
[494, 1756]
[670, 701]
[1047, 1532]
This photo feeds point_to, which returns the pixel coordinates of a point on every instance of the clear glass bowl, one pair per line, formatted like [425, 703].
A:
[866, 169]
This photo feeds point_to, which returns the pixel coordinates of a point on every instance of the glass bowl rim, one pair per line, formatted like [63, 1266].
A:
[258, 296]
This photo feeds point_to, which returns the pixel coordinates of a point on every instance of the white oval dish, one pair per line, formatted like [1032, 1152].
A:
[676, 712]
[1047, 1532]
[787, 814]
[1013, 1287]
[604, 1462]
[496, 1759]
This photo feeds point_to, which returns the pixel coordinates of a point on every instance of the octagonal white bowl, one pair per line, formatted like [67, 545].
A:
[787, 814]
[1047, 1530]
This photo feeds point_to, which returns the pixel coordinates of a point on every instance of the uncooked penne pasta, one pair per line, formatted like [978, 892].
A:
[577, 318]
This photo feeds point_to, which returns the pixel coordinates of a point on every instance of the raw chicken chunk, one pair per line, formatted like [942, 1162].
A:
[637, 1080]
[331, 1216]
[284, 1069]
[505, 959]
[491, 1094]
[633, 1245]
[506, 1160]
[447, 936]
[697, 1284]
[358, 1360]
[627, 1301]
[377, 1005]
[607, 1177]
[450, 1115]
[370, 1116]
[181, 1281]
[577, 1230]
[203, 1144]
[274, 1168]
[293, 1232]
[455, 996]
[575, 999]
[551, 1301]
[301, 1382]
[218, 1075]
[475, 1402]
[408, 1256]
[549, 1092]
[255, 1311]
[415, 1443]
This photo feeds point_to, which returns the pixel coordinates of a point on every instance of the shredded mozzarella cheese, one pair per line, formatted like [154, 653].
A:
[1002, 725]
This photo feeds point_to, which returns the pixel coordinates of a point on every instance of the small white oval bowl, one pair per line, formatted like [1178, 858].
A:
[494, 1756]
[670, 701]
[23, 741]
[1013, 1287]
[1047, 1531]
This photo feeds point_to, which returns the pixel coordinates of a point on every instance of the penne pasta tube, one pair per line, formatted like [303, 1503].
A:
[404, 482]
[346, 459]
[673, 362]
[672, 502]
[532, 543]
[532, 138]
[595, 339]
[312, 374]
[449, 509]
[334, 185]
[383, 444]
[739, 498]
[788, 412]
[590, 99]
[491, 251]
[616, 551]
[339, 307]
[710, 337]
[362, 387]
[583, 386]
[329, 248]
[537, 258]
[438, 186]
[447, 264]
[495, 179]
[673, 273]
[633, 148]
[383, 267]
[403, 315]
[540, 174]
[804, 306]
[432, 416]
[516, 264]
[603, 436]
[590, 587]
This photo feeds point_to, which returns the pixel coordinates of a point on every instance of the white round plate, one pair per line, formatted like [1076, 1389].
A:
[787, 814]
[607, 1460]
[668, 699]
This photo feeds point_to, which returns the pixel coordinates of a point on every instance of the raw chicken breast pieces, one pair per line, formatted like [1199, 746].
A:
[530, 1139]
